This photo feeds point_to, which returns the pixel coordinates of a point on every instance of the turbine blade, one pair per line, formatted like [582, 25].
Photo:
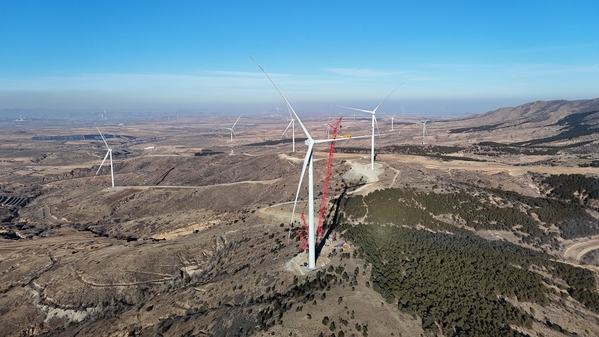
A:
[321, 141]
[287, 128]
[350, 108]
[104, 139]
[236, 122]
[377, 125]
[285, 98]
[106, 156]
[299, 185]
[375, 109]
[359, 137]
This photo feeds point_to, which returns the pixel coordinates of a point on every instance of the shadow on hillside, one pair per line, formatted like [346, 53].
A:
[334, 221]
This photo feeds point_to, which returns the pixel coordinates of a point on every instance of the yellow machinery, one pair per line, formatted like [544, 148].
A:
[347, 135]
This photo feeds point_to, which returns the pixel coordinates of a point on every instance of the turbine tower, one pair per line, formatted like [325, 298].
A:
[292, 124]
[423, 129]
[108, 154]
[373, 113]
[233, 132]
[307, 164]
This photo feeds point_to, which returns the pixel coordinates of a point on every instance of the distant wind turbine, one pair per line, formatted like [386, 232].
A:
[108, 154]
[373, 113]
[423, 129]
[233, 132]
[292, 124]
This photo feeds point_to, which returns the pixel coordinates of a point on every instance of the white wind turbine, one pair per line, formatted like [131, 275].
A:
[392, 120]
[108, 154]
[292, 124]
[373, 113]
[309, 164]
[423, 129]
[233, 132]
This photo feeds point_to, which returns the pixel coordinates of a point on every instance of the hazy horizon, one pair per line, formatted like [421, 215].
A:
[438, 108]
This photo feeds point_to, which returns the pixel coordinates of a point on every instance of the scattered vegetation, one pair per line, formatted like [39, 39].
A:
[207, 153]
[475, 128]
[496, 149]
[479, 209]
[574, 188]
[574, 127]
[459, 283]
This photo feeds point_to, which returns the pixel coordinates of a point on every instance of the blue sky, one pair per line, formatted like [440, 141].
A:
[458, 57]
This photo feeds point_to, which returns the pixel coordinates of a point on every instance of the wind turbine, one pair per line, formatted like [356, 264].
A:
[307, 164]
[373, 112]
[233, 132]
[108, 153]
[392, 120]
[292, 124]
[423, 129]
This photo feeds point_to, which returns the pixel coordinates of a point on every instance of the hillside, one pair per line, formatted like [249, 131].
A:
[489, 228]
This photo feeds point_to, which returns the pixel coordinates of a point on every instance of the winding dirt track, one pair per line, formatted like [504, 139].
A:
[578, 250]
[488, 167]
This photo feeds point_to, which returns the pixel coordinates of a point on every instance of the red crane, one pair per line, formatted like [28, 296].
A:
[325, 193]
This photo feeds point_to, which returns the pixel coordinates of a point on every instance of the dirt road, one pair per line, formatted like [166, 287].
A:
[487, 167]
[578, 250]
